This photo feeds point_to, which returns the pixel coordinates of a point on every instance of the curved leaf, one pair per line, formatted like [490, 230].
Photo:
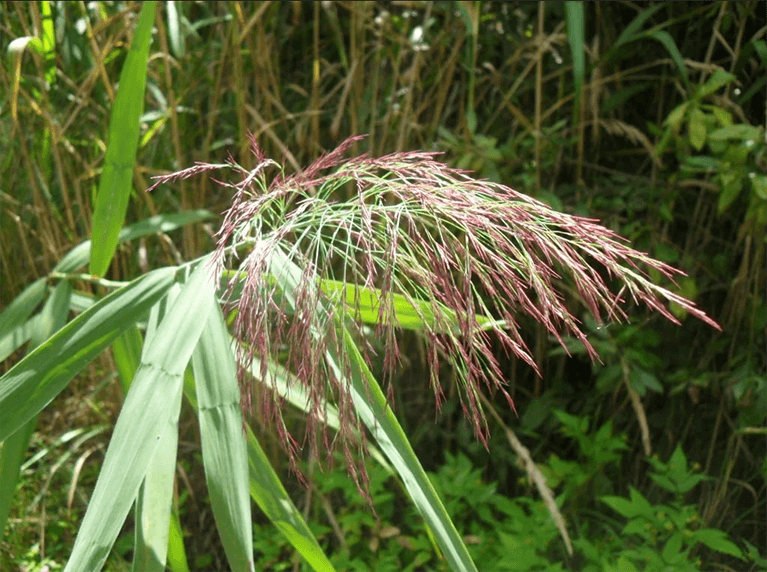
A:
[50, 319]
[150, 410]
[79, 255]
[33, 382]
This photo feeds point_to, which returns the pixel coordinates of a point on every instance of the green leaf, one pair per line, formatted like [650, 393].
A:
[150, 409]
[175, 36]
[370, 403]
[79, 255]
[732, 184]
[117, 174]
[642, 380]
[176, 554]
[127, 354]
[717, 540]
[51, 318]
[623, 564]
[718, 79]
[14, 332]
[12, 455]
[702, 163]
[22, 306]
[576, 38]
[224, 452]
[636, 505]
[154, 541]
[740, 131]
[723, 117]
[668, 42]
[17, 46]
[632, 31]
[675, 118]
[672, 551]
[268, 492]
[271, 497]
[759, 185]
[410, 313]
[155, 495]
[696, 126]
[620, 505]
[33, 382]
[48, 41]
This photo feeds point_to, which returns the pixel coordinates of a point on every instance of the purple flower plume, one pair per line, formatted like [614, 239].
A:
[471, 256]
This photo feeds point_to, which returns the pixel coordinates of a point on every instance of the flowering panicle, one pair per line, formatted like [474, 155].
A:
[470, 255]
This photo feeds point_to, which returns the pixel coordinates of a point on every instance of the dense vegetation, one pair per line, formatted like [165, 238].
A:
[647, 116]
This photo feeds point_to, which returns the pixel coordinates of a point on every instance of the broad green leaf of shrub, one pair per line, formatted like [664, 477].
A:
[717, 540]
[696, 126]
[672, 551]
[718, 79]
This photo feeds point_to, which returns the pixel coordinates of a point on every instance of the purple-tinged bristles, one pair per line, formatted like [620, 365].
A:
[472, 255]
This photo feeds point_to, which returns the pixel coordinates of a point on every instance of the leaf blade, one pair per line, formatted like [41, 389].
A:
[150, 407]
[33, 382]
[224, 452]
[115, 184]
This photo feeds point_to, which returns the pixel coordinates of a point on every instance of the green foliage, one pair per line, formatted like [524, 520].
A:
[669, 532]
[648, 117]
[659, 535]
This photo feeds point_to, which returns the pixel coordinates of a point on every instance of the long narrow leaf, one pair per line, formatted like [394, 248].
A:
[52, 318]
[80, 254]
[115, 183]
[14, 449]
[409, 312]
[33, 382]
[176, 554]
[372, 407]
[668, 42]
[155, 496]
[150, 409]
[224, 454]
[14, 329]
[574, 16]
[16, 338]
[127, 354]
[271, 497]
[22, 307]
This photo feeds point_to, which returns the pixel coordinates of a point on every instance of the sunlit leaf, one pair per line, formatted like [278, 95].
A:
[33, 382]
[117, 174]
[150, 409]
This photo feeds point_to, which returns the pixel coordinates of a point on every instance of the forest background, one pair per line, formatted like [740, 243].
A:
[648, 116]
